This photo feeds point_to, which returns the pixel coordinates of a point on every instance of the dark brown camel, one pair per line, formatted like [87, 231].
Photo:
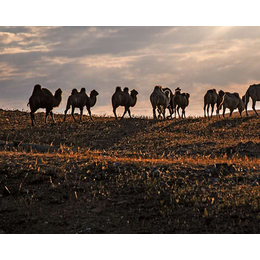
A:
[79, 100]
[123, 98]
[43, 98]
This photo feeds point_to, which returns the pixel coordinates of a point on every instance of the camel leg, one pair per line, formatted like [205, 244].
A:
[72, 113]
[47, 113]
[126, 109]
[154, 113]
[129, 113]
[208, 110]
[224, 109]
[81, 113]
[178, 111]
[240, 112]
[114, 111]
[183, 113]
[175, 113]
[88, 108]
[212, 109]
[246, 103]
[52, 117]
[33, 118]
[205, 110]
[65, 113]
[231, 111]
[253, 106]
[164, 113]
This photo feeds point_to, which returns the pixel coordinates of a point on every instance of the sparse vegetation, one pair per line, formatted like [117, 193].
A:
[136, 175]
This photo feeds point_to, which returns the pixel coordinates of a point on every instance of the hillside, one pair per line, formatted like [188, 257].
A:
[131, 176]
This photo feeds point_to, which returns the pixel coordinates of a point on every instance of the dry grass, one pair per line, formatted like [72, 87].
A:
[130, 176]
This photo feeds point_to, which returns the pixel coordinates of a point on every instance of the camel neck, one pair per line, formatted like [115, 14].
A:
[133, 101]
[93, 100]
[57, 101]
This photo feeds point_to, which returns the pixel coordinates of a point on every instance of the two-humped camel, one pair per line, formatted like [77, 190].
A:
[232, 101]
[254, 92]
[181, 100]
[79, 100]
[43, 98]
[160, 100]
[123, 98]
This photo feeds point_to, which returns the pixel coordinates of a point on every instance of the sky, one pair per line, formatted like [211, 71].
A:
[194, 58]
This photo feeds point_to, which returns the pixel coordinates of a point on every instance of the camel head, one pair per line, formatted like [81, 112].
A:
[94, 93]
[134, 93]
[187, 95]
[83, 91]
[221, 93]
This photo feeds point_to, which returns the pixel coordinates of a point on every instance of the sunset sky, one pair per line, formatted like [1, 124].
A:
[192, 58]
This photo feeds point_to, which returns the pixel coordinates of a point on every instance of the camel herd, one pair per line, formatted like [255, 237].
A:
[161, 100]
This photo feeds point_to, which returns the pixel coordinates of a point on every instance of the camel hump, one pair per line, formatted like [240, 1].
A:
[46, 92]
[211, 91]
[37, 89]
[236, 95]
[158, 88]
[126, 89]
[118, 88]
[83, 91]
[74, 91]
[255, 85]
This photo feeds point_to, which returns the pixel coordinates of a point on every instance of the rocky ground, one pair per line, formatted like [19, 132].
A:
[131, 176]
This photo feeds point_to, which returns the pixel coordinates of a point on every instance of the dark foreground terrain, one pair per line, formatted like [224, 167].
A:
[131, 176]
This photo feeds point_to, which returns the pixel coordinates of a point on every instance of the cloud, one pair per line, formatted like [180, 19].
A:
[193, 58]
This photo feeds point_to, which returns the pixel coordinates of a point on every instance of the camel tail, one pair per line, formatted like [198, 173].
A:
[223, 99]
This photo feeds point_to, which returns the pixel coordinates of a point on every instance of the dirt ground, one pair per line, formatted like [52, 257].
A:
[131, 176]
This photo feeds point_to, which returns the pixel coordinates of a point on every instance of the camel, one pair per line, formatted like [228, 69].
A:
[210, 99]
[232, 101]
[79, 100]
[76, 100]
[159, 100]
[123, 98]
[254, 92]
[43, 98]
[182, 101]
